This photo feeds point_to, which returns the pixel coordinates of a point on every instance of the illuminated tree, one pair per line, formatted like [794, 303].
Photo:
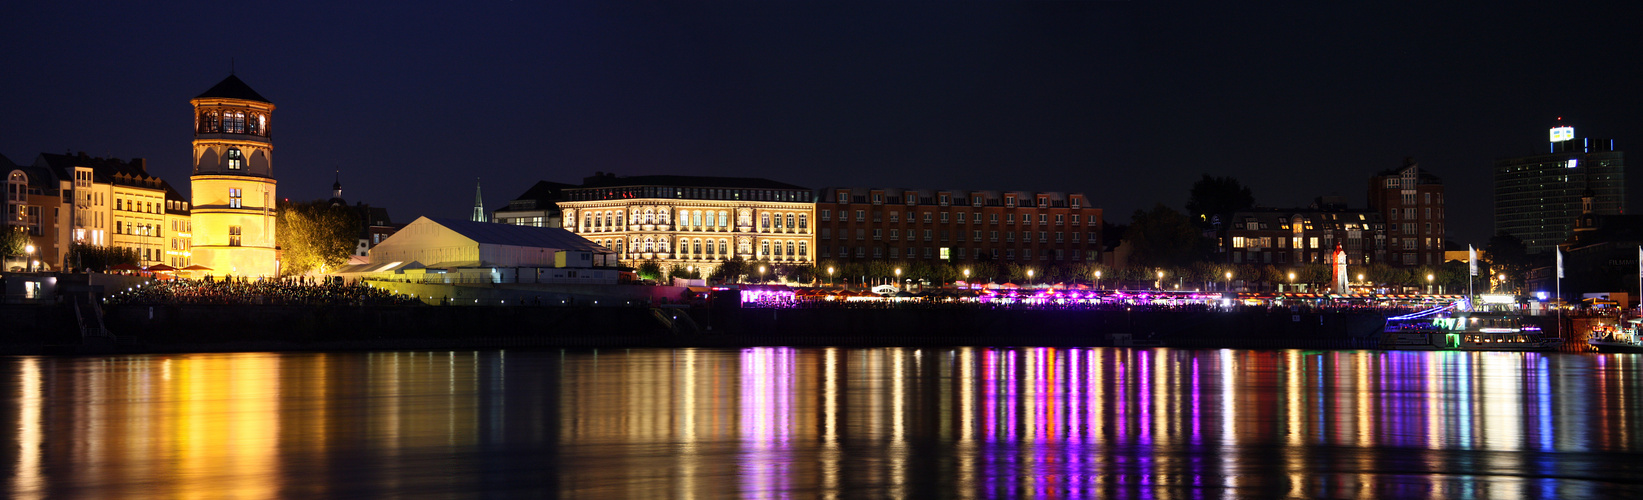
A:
[13, 242]
[315, 236]
[100, 258]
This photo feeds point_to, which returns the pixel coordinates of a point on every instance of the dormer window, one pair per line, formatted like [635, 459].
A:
[236, 161]
[945, 200]
[844, 196]
[1009, 201]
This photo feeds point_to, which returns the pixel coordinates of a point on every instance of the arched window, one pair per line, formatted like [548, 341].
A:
[650, 217]
[661, 246]
[779, 221]
[790, 221]
[724, 218]
[587, 221]
[619, 217]
[650, 245]
[724, 247]
[684, 217]
[262, 124]
[710, 222]
[764, 248]
[236, 160]
[696, 218]
[790, 249]
[803, 224]
[802, 251]
[698, 249]
[764, 221]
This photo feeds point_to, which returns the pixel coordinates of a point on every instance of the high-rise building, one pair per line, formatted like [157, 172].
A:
[233, 181]
[1538, 197]
[1410, 201]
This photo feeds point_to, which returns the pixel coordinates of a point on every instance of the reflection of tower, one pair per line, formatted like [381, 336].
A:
[233, 181]
[479, 204]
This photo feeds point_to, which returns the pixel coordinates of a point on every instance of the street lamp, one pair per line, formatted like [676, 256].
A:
[966, 276]
[1502, 283]
[1229, 281]
[1029, 277]
[829, 275]
[761, 273]
[1159, 285]
[1292, 281]
[1429, 278]
[898, 276]
[29, 249]
[1098, 280]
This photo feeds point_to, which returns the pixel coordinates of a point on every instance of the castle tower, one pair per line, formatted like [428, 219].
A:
[233, 181]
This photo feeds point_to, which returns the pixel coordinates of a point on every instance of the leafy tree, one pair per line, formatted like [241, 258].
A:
[100, 258]
[13, 242]
[315, 236]
[1164, 237]
[1507, 254]
[981, 272]
[1217, 196]
[681, 271]
[650, 270]
[730, 271]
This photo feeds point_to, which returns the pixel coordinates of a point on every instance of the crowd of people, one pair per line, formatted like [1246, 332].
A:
[259, 292]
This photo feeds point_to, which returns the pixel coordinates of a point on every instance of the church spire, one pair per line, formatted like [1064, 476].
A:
[479, 203]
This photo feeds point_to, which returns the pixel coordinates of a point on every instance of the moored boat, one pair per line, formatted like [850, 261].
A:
[1448, 330]
[1620, 338]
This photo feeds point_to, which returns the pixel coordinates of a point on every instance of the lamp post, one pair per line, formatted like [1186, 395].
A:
[829, 275]
[1229, 281]
[1159, 285]
[761, 274]
[1429, 278]
[29, 264]
[1098, 280]
[1292, 281]
[966, 276]
[1029, 277]
[898, 277]
[1501, 286]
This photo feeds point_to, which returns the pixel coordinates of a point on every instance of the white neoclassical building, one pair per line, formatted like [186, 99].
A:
[693, 220]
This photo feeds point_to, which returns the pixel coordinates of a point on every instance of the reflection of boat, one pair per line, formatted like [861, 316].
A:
[1621, 339]
[1446, 330]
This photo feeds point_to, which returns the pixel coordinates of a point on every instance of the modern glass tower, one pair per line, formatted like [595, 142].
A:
[1538, 197]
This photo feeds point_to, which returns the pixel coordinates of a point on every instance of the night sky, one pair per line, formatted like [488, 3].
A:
[1128, 102]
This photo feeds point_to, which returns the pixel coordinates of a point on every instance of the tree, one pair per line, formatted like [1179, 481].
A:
[730, 271]
[13, 242]
[650, 270]
[1164, 237]
[315, 236]
[1217, 196]
[100, 258]
[1507, 254]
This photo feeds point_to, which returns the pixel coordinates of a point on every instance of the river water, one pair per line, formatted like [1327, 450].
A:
[849, 423]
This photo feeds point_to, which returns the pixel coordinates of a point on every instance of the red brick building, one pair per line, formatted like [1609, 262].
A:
[1026, 228]
[1411, 202]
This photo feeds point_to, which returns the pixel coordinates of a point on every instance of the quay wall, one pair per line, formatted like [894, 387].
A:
[191, 328]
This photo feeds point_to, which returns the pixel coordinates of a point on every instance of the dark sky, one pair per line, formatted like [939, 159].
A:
[1129, 102]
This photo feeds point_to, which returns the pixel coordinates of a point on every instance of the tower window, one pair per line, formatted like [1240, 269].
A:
[234, 197]
[236, 161]
[233, 236]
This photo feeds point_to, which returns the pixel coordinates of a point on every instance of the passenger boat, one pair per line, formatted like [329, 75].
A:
[1447, 330]
[1621, 339]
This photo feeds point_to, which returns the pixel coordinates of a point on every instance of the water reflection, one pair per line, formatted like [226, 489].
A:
[965, 422]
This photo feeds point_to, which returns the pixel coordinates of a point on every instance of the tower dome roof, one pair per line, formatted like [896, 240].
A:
[233, 88]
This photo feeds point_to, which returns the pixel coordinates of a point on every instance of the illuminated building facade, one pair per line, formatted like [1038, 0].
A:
[691, 220]
[1538, 197]
[233, 181]
[1297, 236]
[33, 202]
[862, 224]
[104, 202]
[1411, 202]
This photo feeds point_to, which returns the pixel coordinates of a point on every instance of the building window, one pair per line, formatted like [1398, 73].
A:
[803, 222]
[1059, 221]
[1009, 218]
[234, 197]
[945, 199]
[826, 233]
[895, 217]
[961, 217]
[233, 236]
[992, 218]
[235, 160]
[878, 234]
[826, 215]
[944, 217]
[975, 236]
[861, 216]
[992, 236]
[893, 234]
[926, 235]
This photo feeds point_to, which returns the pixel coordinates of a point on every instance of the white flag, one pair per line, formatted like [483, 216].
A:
[1559, 263]
[1472, 258]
